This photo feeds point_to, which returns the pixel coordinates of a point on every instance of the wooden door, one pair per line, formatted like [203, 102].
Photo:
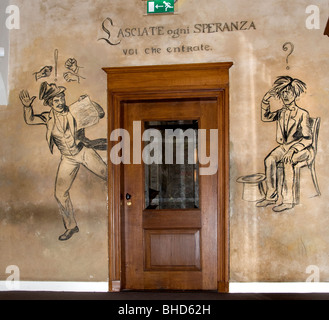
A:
[159, 247]
[170, 211]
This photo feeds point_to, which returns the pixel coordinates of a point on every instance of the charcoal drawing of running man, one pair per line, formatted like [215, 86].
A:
[63, 130]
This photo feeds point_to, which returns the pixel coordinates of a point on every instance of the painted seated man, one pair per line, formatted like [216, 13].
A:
[74, 147]
[294, 137]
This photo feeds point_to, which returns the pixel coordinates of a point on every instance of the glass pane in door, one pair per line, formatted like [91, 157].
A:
[171, 164]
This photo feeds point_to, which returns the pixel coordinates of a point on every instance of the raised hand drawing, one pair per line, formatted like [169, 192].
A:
[294, 135]
[25, 99]
[73, 74]
[72, 65]
[64, 130]
[43, 73]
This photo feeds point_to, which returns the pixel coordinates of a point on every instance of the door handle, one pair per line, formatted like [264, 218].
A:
[128, 198]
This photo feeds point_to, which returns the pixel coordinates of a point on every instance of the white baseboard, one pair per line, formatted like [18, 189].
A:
[279, 287]
[54, 286]
[235, 287]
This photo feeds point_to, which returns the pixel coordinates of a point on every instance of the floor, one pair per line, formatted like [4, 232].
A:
[167, 296]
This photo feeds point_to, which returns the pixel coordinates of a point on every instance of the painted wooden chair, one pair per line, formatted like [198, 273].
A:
[310, 164]
[315, 123]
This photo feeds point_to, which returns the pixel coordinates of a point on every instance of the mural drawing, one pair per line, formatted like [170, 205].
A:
[65, 128]
[296, 135]
[72, 75]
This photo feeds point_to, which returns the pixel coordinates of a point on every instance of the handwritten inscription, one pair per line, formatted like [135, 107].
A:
[169, 50]
[115, 35]
[222, 27]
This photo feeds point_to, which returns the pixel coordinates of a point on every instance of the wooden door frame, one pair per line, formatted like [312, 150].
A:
[209, 80]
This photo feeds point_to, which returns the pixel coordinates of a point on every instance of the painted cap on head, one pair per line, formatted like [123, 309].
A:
[49, 91]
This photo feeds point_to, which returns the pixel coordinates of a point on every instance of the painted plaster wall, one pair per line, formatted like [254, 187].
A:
[264, 246]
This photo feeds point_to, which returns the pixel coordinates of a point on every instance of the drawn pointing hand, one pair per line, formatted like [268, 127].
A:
[71, 77]
[25, 98]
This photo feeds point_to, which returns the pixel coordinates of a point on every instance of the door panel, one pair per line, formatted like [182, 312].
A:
[202, 93]
[170, 239]
[172, 250]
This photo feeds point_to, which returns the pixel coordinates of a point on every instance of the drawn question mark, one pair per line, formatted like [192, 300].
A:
[285, 48]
